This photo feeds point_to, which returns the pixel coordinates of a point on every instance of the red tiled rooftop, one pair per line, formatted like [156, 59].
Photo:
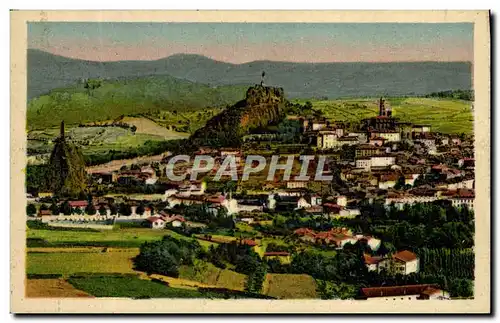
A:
[405, 256]
[78, 203]
[396, 290]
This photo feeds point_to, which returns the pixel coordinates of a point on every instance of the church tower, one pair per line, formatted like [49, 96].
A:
[381, 107]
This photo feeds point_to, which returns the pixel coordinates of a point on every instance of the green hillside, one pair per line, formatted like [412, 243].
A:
[112, 99]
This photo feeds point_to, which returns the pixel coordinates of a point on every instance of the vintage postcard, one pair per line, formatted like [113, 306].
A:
[250, 162]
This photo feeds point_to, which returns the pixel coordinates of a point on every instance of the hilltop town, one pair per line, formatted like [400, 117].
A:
[394, 220]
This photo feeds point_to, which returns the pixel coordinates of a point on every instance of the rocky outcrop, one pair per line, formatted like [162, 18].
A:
[262, 106]
[67, 176]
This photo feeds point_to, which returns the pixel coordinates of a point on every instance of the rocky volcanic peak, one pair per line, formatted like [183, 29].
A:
[263, 94]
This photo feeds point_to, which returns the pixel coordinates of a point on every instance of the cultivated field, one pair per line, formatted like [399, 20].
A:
[125, 237]
[290, 286]
[68, 263]
[208, 274]
[52, 288]
[133, 287]
[444, 115]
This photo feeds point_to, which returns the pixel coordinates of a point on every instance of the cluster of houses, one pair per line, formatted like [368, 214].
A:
[336, 237]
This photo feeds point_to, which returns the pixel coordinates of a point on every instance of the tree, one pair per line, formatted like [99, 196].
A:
[90, 209]
[65, 208]
[44, 207]
[54, 208]
[140, 209]
[31, 210]
[102, 210]
[91, 85]
[124, 209]
[113, 209]
[400, 183]
[77, 210]
[133, 129]
[166, 256]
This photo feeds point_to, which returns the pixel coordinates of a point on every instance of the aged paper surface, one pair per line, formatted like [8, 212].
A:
[481, 129]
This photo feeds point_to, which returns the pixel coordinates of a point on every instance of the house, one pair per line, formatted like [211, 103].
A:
[387, 181]
[44, 213]
[193, 188]
[422, 128]
[382, 161]
[155, 222]
[348, 213]
[377, 141]
[319, 124]
[281, 256]
[467, 183]
[169, 192]
[45, 194]
[302, 203]
[371, 262]
[405, 262]
[453, 173]
[364, 163]
[362, 136]
[327, 139]
[342, 200]
[348, 140]
[80, 205]
[456, 141]
[405, 292]
[316, 200]
[296, 184]
[367, 151]
[248, 242]
[466, 162]
[372, 242]
[387, 135]
[174, 220]
[410, 178]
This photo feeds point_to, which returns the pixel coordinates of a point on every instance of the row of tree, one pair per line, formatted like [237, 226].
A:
[452, 263]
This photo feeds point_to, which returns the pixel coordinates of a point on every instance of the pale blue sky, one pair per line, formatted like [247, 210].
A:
[240, 42]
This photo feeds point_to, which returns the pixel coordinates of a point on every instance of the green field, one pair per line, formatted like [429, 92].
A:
[130, 237]
[290, 286]
[130, 287]
[207, 273]
[444, 115]
[68, 263]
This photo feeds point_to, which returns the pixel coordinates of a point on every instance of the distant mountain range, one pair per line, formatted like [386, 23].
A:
[299, 80]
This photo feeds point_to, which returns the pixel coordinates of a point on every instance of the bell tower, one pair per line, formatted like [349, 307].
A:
[381, 107]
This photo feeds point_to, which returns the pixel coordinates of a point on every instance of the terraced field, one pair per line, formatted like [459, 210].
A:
[52, 288]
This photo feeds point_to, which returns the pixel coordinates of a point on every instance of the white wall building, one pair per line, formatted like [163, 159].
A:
[364, 163]
[382, 161]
